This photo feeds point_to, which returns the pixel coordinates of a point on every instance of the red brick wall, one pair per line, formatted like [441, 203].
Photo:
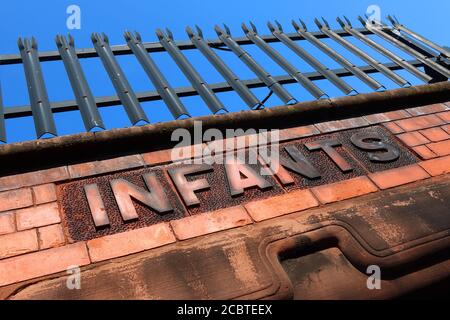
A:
[34, 242]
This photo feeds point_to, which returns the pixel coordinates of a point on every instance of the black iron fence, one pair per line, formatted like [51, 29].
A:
[429, 63]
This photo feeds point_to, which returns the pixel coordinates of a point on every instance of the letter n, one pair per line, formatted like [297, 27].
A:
[124, 191]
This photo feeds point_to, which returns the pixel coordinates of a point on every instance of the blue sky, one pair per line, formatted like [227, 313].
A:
[44, 19]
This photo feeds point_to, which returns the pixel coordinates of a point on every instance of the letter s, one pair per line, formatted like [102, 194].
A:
[373, 141]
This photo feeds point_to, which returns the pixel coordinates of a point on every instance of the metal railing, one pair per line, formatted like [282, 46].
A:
[430, 63]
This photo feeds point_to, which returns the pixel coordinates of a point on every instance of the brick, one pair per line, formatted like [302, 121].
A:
[424, 152]
[82, 170]
[437, 166]
[445, 116]
[104, 166]
[33, 178]
[435, 134]
[130, 242]
[387, 116]
[298, 132]
[120, 163]
[18, 243]
[418, 123]
[392, 127]
[240, 142]
[42, 263]
[15, 199]
[413, 139]
[344, 189]
[440, 148]
[398, 176]
[38, 216]
[337, 125]
[51, 236]
[432, 108]
[446, 128]
[44, 193]
[293, 201]
[157, 157]
[7, 224]
[201, 224]
[165, 156]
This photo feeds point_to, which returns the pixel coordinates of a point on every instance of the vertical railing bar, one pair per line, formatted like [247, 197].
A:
[422, 58]
[316, 64]
[40, 104]
[203, 89]
[120, 82]
[283, 63]
[325, 28]
[234, 81]
[347, 26]
[259, 71]
[83, 95]
[417, 36]
[303, 31]
[2, 119]
[161, 84]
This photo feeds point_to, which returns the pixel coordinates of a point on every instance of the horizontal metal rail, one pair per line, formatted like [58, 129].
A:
[119, 50]
[107, 101]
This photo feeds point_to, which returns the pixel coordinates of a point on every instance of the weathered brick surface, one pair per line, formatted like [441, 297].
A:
[130, 242]
[440, 148]
[18, 243]
[41, 263]
[445, 116]
[344, 190]
[446, 128]
[7, 223]
[398, 176]
[421, 122]
[157, 157]
[44, 193]
[432, 108]
[412, 139]
[51, 236]
[298, 132]
[38, 216]
[34, 178]
[437, 166]
[293, 201]
[394, 128]
[206, 223]
[435, 134]
[15, 199]
[424, 152]
[165, 156]
[105, 166]
[332, 126]
[82, 170]
[387, 116]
